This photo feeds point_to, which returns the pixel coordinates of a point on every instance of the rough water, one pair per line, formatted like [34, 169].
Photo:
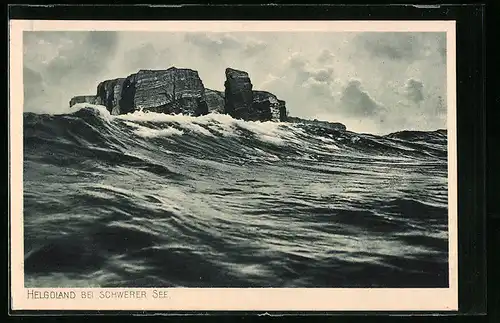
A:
[152, 200]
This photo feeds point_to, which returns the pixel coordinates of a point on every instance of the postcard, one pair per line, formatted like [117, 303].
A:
[233, 165]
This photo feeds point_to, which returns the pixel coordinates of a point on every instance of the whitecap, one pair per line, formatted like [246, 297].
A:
[147, 132]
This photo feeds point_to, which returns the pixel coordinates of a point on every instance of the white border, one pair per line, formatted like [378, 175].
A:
[258, 299]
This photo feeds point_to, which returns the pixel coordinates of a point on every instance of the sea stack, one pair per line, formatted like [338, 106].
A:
[238, 94]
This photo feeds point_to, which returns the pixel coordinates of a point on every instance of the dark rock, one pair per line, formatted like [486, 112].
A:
[282, 109]
[323, 124]
[242, 102]
[117, 96]
[169, 91]
[266, 106]
[165, 91]
[238, 94]
[92, 99]
[127, 104]
[215, 100]
[109, 93]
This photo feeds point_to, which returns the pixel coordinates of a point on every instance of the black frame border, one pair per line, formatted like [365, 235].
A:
[471, 148]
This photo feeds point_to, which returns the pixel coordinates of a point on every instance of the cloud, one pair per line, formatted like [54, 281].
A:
[441, 45]
[322, 75]
[254, 47]
[217, 42]
[31, 77]
[319, 92]
[59, 65]
[146, 56]
[318, 88]
[297, 61]
[34, 87]
[322, 94]
[403, 47]
[325, 57]
[86, 58]
[357, 102]
[269, 80]
[414, 90]
[393, 46]
[306, 72]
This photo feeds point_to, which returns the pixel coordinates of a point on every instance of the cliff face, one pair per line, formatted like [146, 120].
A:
[180, 90]
[283, 111]
[92, 99]
[166, 91]
[109, 94]
[238, 94]
[323, 124]
[266, 106]
[215, 101]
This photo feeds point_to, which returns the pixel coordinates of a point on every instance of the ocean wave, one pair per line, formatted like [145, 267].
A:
[94, 125]
[149, 199]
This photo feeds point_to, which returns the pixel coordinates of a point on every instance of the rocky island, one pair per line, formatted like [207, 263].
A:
[181, 91]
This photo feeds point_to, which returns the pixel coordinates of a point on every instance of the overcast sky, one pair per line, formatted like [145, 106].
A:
[374, 82]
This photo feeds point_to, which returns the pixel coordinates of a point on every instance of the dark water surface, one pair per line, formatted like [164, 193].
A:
[157, 201]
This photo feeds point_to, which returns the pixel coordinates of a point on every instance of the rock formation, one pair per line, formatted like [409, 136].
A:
[177, 90]
[238, 94]
[92, 99]
[166, 91]
[266, 106]
[323, 124]
[180, 90]
[109, 94]
[215, 101]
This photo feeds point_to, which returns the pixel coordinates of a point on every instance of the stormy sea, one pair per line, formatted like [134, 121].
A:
[156, 200]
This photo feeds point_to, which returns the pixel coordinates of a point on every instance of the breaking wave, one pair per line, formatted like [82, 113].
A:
[149, 199]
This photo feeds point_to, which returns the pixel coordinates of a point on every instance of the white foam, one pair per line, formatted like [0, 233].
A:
[103, 112]
[153, 133]
[332, 147]
[265, 155]
[266, 131]
[323, 139]
[307, 157]
[216, 122]
[196, 128]
[273, 132]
